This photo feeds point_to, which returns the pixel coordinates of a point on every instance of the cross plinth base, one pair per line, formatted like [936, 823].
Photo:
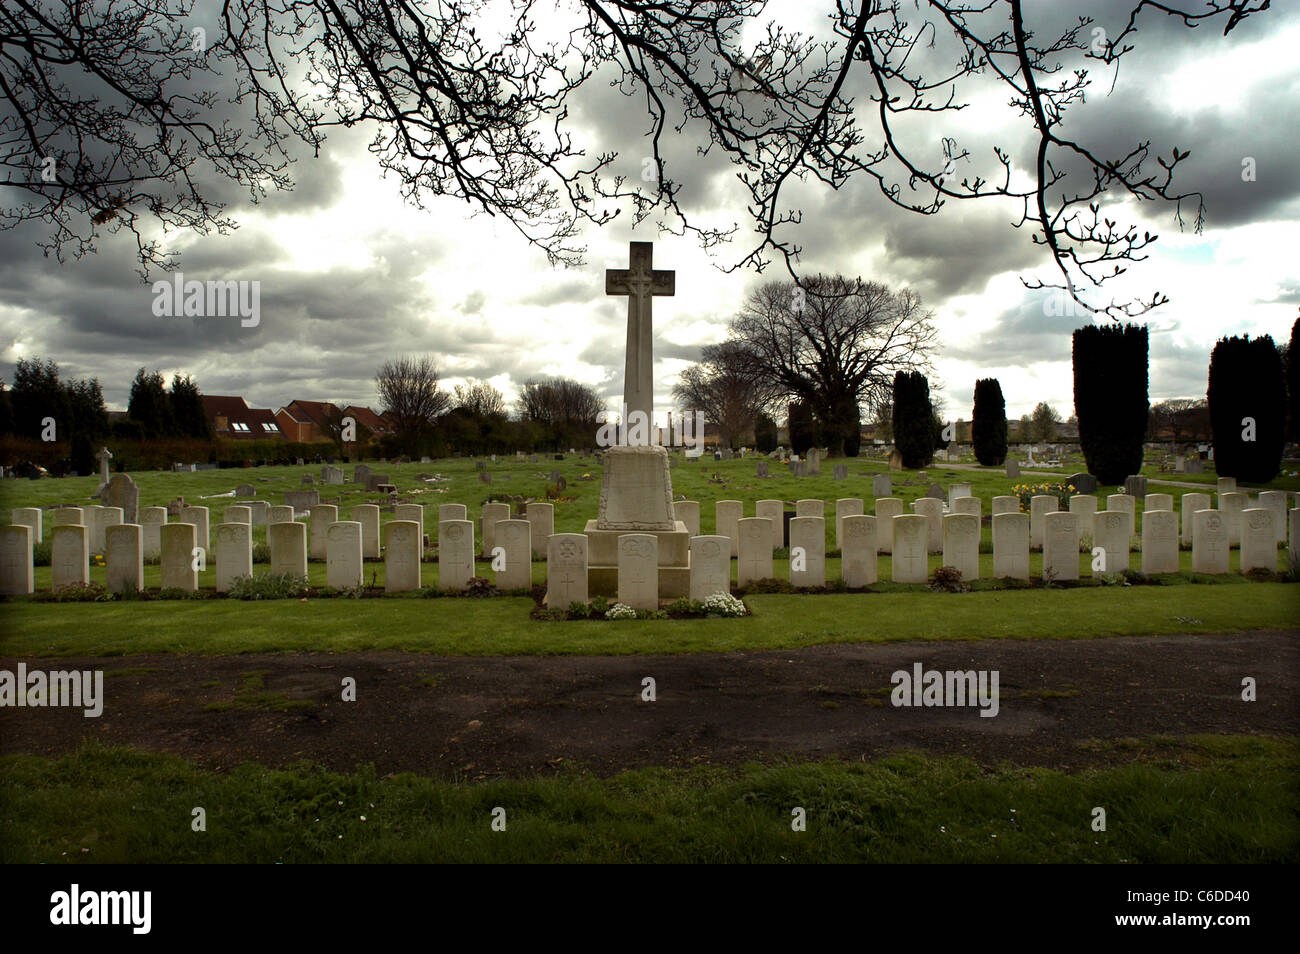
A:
[674, 560]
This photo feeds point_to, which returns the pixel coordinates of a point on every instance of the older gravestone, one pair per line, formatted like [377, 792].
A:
[841, 472]
[455, 553]
[814, 462]
[176, 507]
[909, 563]
[754, 561]
[16, 570]
[726, 515]
[318, 523]
[1209, 542]
[1159, 542]
[404, 542]
[301, 500]
[773, 510]
[1110, 534]
[493, 513]
[103, 518]
[307, 480]
[179, 541]
[1013, 469]
[378, 482]
[932, 509]
[1011, 546]
[368, 516]
[484, 477]
[561, 484]
[512, 538]
[234, 546]
[29, 517]
[808, 551]
[1083, 483]
[122, 492]
[542, 517]
[288, 542]
[845, 507]
[1040, 505]
[343, 555]
[762, 470]
[887, 508]
[710, 566]
[1258, 540]
[961, 544]
[1190, 504]
[566, 569]
[638, 570]
[936, 492]
[69, 555]
[688, 512]
[1060, 546]
[858, 550]
[361, 475]
[1135, 485]
[248, 490]
[881, 486]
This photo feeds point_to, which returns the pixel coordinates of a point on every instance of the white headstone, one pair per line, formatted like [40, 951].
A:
[1084, 505]
[542, 517]
[1227, 485]
[726, 515]
[1159, 542]
[198, 517]
[238, 514]
[1258, 540]
[566, 570]
[887, 508]
[1231, 505]
[403, 544]
[288, 542]
[234, 546]
[809, 508]
[755, 558]
[845, 507]
[455, 554]
[858, 550]
[1060, 546]
[452, 512]
[69, 555]
[911, 544]
[1190, 504]
[261, 511]
[151, 518]
[1005, 503]
[368, 516]
[969, 505]
[318, 524]
[280, 515]
[955, 493]
[710, 566]
[31, 517]
[1040, 505]
[638, 570]
[342, 554]
[1157, 502]
[178, 543]
[514, 538]
[1011, 546]
[1209, 542]
[412, 512]
[1127, 505]
[1275, 500]
[961, 544]
[493, 513]
[688, 512]
[124, 557]
[1110, 535]
[808, 534]
[773, 510]
[69, 515]
[16, 571]
[932, 509]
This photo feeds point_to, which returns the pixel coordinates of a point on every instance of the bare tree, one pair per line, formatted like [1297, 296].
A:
[408, 390]
[479, 399]
[1181, 417]
[834, 344]
[566, 410]
[725, 386]
[127, 101]
[1042, 424]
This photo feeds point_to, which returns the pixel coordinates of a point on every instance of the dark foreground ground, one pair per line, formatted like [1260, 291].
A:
[1061, 704]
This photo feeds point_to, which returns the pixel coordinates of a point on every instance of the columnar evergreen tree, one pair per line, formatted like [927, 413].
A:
[764, 434]
[1247, 398]
[803, 430]
[914, 432]
[1110, 398]
[148, 404]
[1293, 381]
[989, 423]
[187, 413]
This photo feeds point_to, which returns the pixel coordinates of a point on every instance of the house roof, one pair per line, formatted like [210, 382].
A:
[318, 412]
[241, 420]
[368, 419]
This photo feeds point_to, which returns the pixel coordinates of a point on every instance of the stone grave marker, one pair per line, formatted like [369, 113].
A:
[343, 554]
[1085, 505]
[809, 507]
[378, 482]
[887, 508]
[1011, 546]
[710, 566]
[1040, 505]
[1110, 532]
[773, 510]
[484, 477]
[412, 512]
[368, 516]
[1275, 500]
[841, 472]
[881, 486]
[1060, 546]
[1013, 469]
[318, 521]
[1157, 502]
[493, 513]
[961, 544]
[17, 574]
[452, 512]
[1258, 540]
[566, 570]
[301, 500]
[909, 563]
[1005, 503]
[957, 492]
[279, 515]
[936, 492]
[288, 542]
[1231, 505]
[237, 515]
[726, 515]
[151, 518]
[30, 517]
[858, 550]
[846, 507]
[1227, 485]
[455, 553]
[69, 555]
[361, 475]
[762, 470]
[1083, 483]
[1191, 503]
[1209, 542]
[124, 558]
[514, 537]
[69, 515]
[1159, 542]
[179, 541]
[932, 509]
[688, 512]
[123, 493]
[542, 518]
[755, 559]
[404, 544]
[1126, 504]
[248, 490]
[234, 553]
[809, 535]
[638, 570]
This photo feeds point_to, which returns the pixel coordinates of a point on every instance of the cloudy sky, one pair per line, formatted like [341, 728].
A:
[350, 276]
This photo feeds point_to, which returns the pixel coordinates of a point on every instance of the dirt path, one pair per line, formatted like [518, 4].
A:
[480, 717]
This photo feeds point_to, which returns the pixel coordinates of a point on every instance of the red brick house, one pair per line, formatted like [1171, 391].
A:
[232, 419]
[308, 421]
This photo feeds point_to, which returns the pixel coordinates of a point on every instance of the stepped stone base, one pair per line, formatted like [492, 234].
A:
[674, 560]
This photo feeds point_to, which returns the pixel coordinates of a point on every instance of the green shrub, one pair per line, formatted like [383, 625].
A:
[267, 586]
[178, 593]
[91, 592]
[480, 586]
[261, 553]
[948, 579]
[41, 553]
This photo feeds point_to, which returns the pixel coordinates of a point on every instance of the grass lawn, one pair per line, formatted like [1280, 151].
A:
[501, 626]
[1211, 799]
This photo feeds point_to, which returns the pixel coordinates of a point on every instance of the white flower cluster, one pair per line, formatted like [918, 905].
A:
[620, 611]
[724, 604]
